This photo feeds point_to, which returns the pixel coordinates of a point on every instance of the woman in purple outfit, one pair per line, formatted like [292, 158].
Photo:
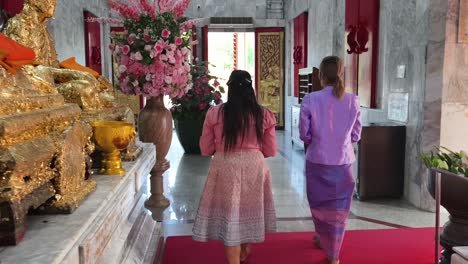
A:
[330, 121]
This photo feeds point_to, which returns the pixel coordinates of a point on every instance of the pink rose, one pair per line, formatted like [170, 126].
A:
[131, 39]
[178, 41]
[188, 87]
[122, 68]
[112, 47]
[124, 60]
[202, 106]
[126, 49]
[216, 83]
[165, 33]
[138, 56]
[168, 79]
[159, 48]
[147, 87]
[148, 77]
[171, 58]
[146, 38]
[163, 57]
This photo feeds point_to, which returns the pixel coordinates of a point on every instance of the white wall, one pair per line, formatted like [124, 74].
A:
[68, 31]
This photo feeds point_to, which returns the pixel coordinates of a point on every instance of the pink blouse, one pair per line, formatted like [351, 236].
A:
[212, 141]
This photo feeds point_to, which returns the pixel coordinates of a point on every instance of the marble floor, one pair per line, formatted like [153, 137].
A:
[185, 180]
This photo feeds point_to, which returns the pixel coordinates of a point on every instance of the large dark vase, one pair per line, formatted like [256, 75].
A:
[155, 126]
[453, 192]
[189, 130]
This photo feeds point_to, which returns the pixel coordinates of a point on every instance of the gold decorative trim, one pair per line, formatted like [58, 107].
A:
[463, 22]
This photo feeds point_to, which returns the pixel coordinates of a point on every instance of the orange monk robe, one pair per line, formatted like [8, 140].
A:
[14, 55]
[71, 64]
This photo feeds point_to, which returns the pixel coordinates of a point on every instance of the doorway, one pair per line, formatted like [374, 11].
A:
[228, 51]
[260, 52]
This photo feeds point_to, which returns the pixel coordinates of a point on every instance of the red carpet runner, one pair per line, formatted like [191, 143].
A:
[393, 246]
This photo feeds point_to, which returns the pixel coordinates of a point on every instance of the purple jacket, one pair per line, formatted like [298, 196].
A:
[329, 126]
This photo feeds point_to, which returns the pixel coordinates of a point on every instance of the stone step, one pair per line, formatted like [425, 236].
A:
[12, 105]
[25, 167]
[18, 128]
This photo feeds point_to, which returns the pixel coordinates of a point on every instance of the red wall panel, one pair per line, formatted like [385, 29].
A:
[12, 7]
[300, 47]
[93, 43]
[205, 43]
[351, 60]
[367, 79]
[362, 25]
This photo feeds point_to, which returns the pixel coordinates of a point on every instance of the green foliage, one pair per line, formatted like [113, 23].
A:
[445, 159]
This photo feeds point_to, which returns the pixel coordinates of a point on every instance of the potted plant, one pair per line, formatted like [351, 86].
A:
[189, 111]
[453, 167]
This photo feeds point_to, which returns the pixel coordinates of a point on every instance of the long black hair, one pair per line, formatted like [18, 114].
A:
[240, 109]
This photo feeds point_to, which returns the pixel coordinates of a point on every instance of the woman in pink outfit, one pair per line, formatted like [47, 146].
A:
[330, 121]
[236, 205]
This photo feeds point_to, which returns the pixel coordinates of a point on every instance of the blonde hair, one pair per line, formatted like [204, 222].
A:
[331, 70]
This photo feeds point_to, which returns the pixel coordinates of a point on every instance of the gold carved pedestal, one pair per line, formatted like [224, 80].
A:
[44, 146]
[42, 154]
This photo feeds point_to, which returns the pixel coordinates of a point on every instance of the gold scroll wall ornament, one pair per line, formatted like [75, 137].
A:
[270, 63]
[463, 22]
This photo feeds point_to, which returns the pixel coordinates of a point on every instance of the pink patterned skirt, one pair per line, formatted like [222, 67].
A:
[236, 205]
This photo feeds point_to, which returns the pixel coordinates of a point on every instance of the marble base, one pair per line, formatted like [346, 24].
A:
[111, 226]
[460, 256]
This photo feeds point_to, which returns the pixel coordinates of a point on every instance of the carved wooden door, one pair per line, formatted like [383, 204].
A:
[269, 70]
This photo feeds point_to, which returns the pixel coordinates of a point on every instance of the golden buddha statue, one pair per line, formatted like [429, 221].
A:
[29, 28]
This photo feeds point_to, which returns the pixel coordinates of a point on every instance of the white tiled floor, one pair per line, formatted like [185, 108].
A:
[185, 180]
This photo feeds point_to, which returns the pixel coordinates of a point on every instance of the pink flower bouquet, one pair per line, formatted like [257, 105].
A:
[154, 50]
[205, 92]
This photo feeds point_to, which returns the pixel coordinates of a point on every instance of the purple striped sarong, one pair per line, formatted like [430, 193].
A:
[329, 191]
